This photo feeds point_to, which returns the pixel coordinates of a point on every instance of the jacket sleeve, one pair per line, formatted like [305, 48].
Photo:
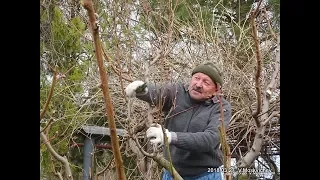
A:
[207, 140]
[159, 94]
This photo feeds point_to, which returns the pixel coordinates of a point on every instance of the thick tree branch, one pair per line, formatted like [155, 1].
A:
[87, 4]
[63, 160]
[254, 152]
[272, 83]
[59, 175]
[166, 164]
[160, 160]
[258, 72]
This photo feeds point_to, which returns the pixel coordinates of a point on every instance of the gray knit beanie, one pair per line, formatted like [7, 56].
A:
[211, 70]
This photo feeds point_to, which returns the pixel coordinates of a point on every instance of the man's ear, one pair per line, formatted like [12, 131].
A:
[218, 89]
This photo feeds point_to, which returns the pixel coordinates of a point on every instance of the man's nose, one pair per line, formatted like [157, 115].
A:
[199, 84]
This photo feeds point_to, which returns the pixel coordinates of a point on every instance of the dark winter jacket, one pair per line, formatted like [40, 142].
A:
[194, 125]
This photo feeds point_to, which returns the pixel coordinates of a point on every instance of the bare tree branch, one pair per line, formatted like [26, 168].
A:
[107, 167]
[155, 59]
[59, 175]
[160, 160]
[254, 151]
[63, 160]
[107, 58]
[258, 72]
[269, 25]
[271, 85]
[87, 4]
[224, 143]
[272, 165]
[255, 14]
[47, 125]
[54, 80]
[273, 114]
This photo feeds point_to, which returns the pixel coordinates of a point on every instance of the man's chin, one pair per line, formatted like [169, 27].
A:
[196, 96]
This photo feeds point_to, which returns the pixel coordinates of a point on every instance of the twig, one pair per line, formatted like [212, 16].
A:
[182, 111]
[69, 70]
[142, 150]
[234, 115]
[47, 125]
[103, 170]
[54, 80]
[48, 130]
[269, 25]
[117, 53]
[107, 58]
[255, 13]
[270, 109]
[167, 146]
[156, 58]
[273, 114]
[53, 137]
[224, 143]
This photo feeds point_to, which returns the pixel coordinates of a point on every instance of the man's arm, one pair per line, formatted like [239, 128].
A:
[157, 93]
[203, 141]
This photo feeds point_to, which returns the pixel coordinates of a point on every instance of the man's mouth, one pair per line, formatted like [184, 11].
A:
[197, 90]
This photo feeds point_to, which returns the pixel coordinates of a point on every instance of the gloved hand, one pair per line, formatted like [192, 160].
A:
[136, 87]
[155, 134]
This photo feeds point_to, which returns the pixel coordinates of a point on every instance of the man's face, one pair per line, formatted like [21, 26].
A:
[201, 87]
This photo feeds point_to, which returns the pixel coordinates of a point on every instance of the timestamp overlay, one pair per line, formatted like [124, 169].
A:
[242, 171]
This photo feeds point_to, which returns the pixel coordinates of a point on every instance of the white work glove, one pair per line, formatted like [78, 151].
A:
[136, 87]
[155, 134]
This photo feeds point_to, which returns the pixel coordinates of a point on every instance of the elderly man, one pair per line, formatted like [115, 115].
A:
[193, 113]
